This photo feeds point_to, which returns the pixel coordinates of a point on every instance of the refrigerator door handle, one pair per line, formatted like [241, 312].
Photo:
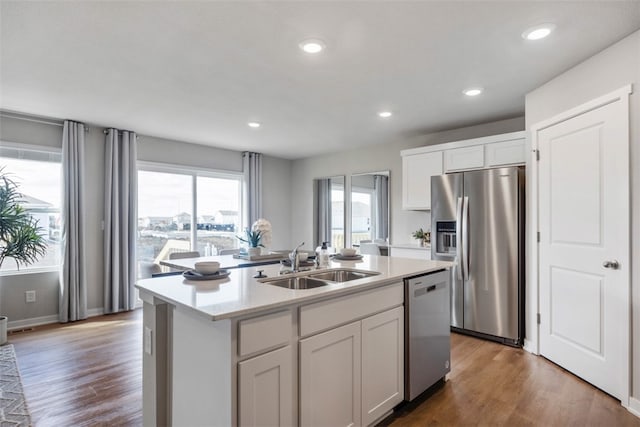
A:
[465, 238]
[459, 254]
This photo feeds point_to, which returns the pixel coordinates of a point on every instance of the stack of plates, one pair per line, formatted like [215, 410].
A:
[194, 275]
[347, 257]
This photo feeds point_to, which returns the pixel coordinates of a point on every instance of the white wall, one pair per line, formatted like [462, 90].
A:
[276, 207]
[374, 159]
[611, 69]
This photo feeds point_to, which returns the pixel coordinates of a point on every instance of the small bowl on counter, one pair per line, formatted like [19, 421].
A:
[347, 252]
[207, 267]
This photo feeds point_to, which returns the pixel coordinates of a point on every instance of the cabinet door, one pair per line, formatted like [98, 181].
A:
[506, 153]
[417, 170]
[330, 383]
[382, 363]
[265, 389]
[458, 159]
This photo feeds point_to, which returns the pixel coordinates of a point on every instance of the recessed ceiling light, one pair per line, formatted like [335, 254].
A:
[538, 32]
[312, 46]
[385, 114]
[475, 91]
[254, 124]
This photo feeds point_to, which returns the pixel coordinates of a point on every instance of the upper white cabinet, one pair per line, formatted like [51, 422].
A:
[505, 153]
[417, 170]
[459, 159]
[420, 164]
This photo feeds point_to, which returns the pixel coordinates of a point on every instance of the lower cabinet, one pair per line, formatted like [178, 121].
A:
[354, 374]
[265, 389]
[382, 363]
[330, 378]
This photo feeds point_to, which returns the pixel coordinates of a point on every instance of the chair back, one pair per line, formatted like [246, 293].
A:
[369, 249]
[180, 255]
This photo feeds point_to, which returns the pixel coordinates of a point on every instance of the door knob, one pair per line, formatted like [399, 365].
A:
[612, 264]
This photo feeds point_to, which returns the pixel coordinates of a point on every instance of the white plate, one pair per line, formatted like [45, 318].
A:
[194, 275]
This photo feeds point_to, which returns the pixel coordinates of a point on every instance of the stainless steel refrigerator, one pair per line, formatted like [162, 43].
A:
[477, 221]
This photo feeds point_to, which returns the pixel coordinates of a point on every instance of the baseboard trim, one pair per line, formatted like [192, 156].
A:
[634, 406]
[529, 346]
[46, 320]
[13, 325]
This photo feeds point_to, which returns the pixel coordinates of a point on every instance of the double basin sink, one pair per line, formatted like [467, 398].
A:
[320, 278]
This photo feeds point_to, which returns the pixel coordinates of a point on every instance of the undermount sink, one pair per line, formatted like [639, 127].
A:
[321, 278]
[342, 275]
[297, 282]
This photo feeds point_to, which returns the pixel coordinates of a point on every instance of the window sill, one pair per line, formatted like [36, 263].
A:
[30, 271]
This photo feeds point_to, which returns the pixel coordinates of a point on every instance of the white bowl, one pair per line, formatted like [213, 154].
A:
[347, 251]
[207, 267]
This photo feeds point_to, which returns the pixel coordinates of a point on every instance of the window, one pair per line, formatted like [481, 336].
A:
[337, 214]
[181, 210]
[38, 174]
[362, 215]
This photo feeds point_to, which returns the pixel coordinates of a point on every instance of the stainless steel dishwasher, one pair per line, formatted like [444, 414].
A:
[427, 333]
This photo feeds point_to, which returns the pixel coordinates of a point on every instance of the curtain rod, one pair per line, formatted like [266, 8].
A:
[106, 131]
[36, 120]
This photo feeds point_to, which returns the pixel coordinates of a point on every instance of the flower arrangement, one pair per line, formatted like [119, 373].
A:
[264, 227]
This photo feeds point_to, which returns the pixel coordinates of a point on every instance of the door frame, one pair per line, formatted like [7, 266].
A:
[532, 342]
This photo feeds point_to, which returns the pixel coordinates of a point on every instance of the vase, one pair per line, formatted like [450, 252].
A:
[254, 251]
[421, 242]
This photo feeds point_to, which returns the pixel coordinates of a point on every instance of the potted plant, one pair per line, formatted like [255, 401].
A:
[419, 235]
[253, 238]
[20, 236]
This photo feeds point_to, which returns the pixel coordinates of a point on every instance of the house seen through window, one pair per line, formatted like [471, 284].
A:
[38, 175]
[186, 211]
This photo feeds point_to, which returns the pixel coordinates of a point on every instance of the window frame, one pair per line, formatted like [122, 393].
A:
[51, 150]
[194, 172]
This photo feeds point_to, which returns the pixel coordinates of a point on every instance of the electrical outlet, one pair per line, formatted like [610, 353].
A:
[30, 296]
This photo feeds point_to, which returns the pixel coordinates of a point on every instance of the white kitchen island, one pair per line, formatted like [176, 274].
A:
[238, 351]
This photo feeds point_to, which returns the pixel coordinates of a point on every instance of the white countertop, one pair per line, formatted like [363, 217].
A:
[241, 294]
[426, 247]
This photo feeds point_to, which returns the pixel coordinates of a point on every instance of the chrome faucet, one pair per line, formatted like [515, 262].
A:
[293, 257]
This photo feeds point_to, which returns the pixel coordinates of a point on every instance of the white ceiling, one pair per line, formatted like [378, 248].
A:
[199, 71]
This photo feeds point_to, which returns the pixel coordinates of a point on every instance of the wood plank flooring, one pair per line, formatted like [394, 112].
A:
[90, 374]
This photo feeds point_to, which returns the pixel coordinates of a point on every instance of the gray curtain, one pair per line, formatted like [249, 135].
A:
[323, 211]
[120, 213]
[73, 280]
[381, 186]
[252, 168]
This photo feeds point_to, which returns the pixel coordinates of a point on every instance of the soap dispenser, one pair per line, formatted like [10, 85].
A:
[323, 262]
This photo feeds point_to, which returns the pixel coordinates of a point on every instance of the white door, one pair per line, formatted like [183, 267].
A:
[382, 364]
[330, 378]
[265, 389]
[584, 244]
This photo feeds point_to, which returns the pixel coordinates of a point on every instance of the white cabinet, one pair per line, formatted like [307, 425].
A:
[506, 153]
[417, 252]
[464, 158]
[330, 383]
[417, 171]
[265, 389]
[420, 164]
[382, 364]
[353, 374]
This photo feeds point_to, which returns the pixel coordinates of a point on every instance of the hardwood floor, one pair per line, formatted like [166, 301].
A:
[87, 373]
[90, 374]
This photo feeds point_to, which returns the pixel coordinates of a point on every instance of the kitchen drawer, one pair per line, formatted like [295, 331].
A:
[264, 332]
[339, 311]
[464, 158]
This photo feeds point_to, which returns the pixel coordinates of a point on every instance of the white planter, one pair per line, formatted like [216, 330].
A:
[254, 251]
[3, 329]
